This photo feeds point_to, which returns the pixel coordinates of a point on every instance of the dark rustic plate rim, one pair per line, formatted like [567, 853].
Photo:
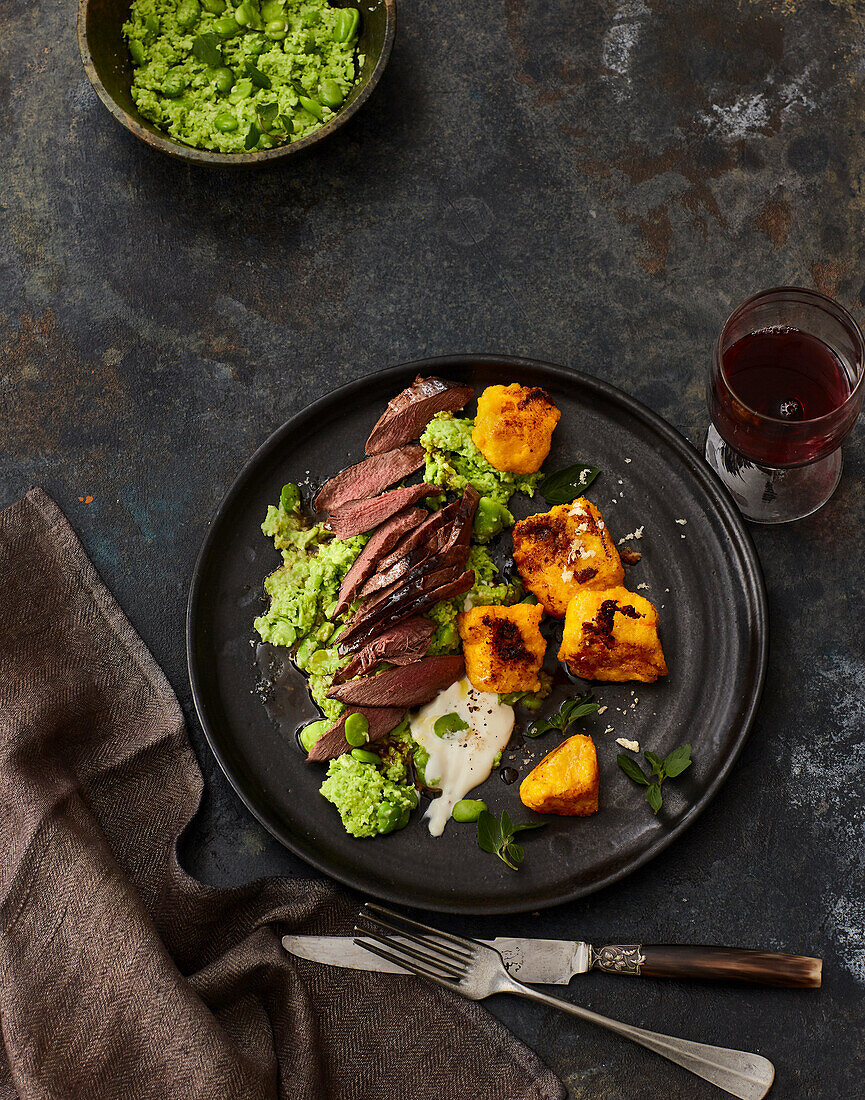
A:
[713, 487]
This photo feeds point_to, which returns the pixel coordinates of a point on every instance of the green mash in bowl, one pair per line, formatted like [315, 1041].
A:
[237, 77]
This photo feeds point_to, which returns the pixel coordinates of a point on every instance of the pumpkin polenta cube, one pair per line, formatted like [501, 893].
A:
[612, 635]
[566, 781]
[514, 427]
[503, 647]
[564, 551]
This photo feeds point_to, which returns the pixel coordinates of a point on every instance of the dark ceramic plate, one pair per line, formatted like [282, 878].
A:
[702, 573]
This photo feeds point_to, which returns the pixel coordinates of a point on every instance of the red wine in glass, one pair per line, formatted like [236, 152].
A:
[787, 375]
[785, 388]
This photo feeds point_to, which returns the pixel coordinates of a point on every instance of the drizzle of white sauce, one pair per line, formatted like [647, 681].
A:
[460, 761]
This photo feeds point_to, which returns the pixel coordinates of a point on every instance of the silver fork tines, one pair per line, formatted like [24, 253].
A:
[476, 970]
[436, 955]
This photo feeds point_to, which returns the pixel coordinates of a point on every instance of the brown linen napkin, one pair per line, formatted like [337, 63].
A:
[121, 976]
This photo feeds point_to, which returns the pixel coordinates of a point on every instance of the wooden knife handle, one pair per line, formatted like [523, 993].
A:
[732, 964]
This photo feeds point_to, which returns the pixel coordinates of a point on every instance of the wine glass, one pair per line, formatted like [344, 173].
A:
[784, 390]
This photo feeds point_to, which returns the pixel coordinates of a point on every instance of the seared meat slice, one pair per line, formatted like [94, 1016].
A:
[420, 534]
[381, 542]
[362, 515]
[369, 477]
[413, 598]
[409, 412]
[401, 645]
[445, 544]
[332, 742]
[403, 687]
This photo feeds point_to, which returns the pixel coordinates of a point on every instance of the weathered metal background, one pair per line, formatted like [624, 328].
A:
[593, 183]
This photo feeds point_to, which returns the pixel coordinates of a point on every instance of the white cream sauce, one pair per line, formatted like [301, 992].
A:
[460, 761]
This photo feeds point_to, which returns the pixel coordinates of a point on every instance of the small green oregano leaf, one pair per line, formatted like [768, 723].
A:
[489, 833]
[497, 837]
[677, 761]
[631, 769]
[673, 764]
[653, 797]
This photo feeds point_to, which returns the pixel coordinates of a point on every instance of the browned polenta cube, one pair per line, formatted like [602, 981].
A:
[612, 635]
[503, 647]
[565, 551]
[514, 427]
[566, 781]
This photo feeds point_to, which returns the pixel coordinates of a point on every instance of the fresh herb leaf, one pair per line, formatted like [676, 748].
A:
[286, 124]
[541, 726]
[677, 761]
[655, 763]
[566, 485]
[575, 709]
[632, 769]
[267, 113]
[257, 77]
[497, 837]
[206, 48]
[569, 712]
[252, 138]
[449, 723]
[489, 833]
[668, 768]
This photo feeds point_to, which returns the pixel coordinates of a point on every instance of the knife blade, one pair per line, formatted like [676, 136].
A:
[543, 962]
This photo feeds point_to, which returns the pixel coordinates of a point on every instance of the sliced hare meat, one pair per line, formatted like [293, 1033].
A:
[410, 411]
[367, 478]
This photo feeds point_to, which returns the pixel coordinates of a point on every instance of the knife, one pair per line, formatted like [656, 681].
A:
[555, 962]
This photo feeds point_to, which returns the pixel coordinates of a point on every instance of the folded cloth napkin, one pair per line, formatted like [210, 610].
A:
[120, 975]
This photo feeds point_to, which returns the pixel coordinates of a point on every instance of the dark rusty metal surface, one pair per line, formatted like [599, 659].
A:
[591, 183]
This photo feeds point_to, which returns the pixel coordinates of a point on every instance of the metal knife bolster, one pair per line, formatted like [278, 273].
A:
[736, 964]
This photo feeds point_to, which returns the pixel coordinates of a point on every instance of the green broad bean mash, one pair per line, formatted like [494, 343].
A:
[233, 77]
[453, 462]
[301, 592]
[368, 800]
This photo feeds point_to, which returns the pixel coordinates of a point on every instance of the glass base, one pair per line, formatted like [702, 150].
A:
[766, 494]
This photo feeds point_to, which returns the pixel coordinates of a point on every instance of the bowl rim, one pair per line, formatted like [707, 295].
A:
[193, 155]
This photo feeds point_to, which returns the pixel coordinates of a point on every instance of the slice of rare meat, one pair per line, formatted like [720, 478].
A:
[422, 533]
[410, 411]
[363, 515]
[369, 477]
[332, 742]
[400, 645]
[381, 541]
[417, 602]
[444, 544]
[407, 687]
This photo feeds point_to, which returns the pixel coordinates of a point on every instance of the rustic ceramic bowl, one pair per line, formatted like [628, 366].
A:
[109, 67]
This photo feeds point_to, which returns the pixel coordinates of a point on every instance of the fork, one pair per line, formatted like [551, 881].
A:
[477, 971]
